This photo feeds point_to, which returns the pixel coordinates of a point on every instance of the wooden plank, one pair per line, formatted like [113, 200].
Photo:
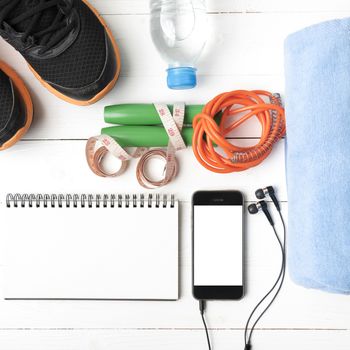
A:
[128, 7]
[55, 119]
[55, 166]
[170, 339]
[229, 62]
[238, 44]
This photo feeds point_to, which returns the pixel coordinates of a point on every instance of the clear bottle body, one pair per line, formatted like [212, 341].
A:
[179, 32]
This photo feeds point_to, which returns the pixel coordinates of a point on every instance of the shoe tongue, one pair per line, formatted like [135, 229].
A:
[46, 17]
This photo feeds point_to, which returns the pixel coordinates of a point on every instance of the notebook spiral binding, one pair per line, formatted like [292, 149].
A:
[89, 200]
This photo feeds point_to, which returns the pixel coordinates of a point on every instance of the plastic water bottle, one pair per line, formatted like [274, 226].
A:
[179, 32]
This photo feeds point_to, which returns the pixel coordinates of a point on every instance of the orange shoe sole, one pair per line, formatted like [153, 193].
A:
[23, 91]
[102, 93]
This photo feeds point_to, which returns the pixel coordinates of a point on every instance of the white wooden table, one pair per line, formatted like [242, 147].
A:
[245, 51]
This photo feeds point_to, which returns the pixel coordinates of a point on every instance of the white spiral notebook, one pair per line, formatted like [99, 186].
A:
[90, 247]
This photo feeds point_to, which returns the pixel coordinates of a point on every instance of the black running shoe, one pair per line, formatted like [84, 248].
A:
[67, 45]
[16, 108]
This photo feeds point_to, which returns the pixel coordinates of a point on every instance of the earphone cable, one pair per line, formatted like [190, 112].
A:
[279, 279]
[279, 282]
[202, 306]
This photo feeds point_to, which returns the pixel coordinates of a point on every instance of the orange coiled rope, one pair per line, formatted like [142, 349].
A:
[208, 133]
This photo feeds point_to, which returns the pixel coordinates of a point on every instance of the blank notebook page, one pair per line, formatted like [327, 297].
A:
[90, 253]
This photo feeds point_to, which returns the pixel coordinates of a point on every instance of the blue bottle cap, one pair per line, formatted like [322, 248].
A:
[181, 78]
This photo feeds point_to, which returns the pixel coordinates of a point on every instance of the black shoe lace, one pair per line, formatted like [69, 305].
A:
[47, 37]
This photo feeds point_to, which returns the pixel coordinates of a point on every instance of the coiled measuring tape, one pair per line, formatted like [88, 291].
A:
[98, 147]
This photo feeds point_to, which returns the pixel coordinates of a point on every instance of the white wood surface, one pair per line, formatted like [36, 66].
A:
[244, 51]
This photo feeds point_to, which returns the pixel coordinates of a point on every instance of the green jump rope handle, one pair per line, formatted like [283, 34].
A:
[144, 136]
[143, 114]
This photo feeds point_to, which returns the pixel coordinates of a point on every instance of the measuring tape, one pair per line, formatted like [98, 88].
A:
[98, 147]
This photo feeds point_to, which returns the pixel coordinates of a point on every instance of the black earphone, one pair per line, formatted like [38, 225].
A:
[254, 208]
[261, 193]
[261, 205]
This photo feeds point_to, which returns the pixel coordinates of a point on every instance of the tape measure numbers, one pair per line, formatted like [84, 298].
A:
[98, 147]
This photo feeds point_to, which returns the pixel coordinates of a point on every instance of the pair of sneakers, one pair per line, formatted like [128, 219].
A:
[69, 49]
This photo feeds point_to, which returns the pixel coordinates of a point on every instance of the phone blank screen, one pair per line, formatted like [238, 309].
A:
[218, 245]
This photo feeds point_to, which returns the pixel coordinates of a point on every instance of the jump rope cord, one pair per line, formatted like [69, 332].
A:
[244, 104]
[208, 133]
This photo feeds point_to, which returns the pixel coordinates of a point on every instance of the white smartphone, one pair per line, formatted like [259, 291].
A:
[217, 245]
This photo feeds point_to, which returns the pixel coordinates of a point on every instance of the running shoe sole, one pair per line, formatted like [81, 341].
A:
[27, 101]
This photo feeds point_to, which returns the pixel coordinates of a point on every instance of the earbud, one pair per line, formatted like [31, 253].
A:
[261, 205]
[261, 193]
[253, 209]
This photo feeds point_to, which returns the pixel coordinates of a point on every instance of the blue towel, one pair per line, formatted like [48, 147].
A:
[317, 66]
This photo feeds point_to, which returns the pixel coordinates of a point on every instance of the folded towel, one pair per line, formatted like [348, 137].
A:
[318, 155]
